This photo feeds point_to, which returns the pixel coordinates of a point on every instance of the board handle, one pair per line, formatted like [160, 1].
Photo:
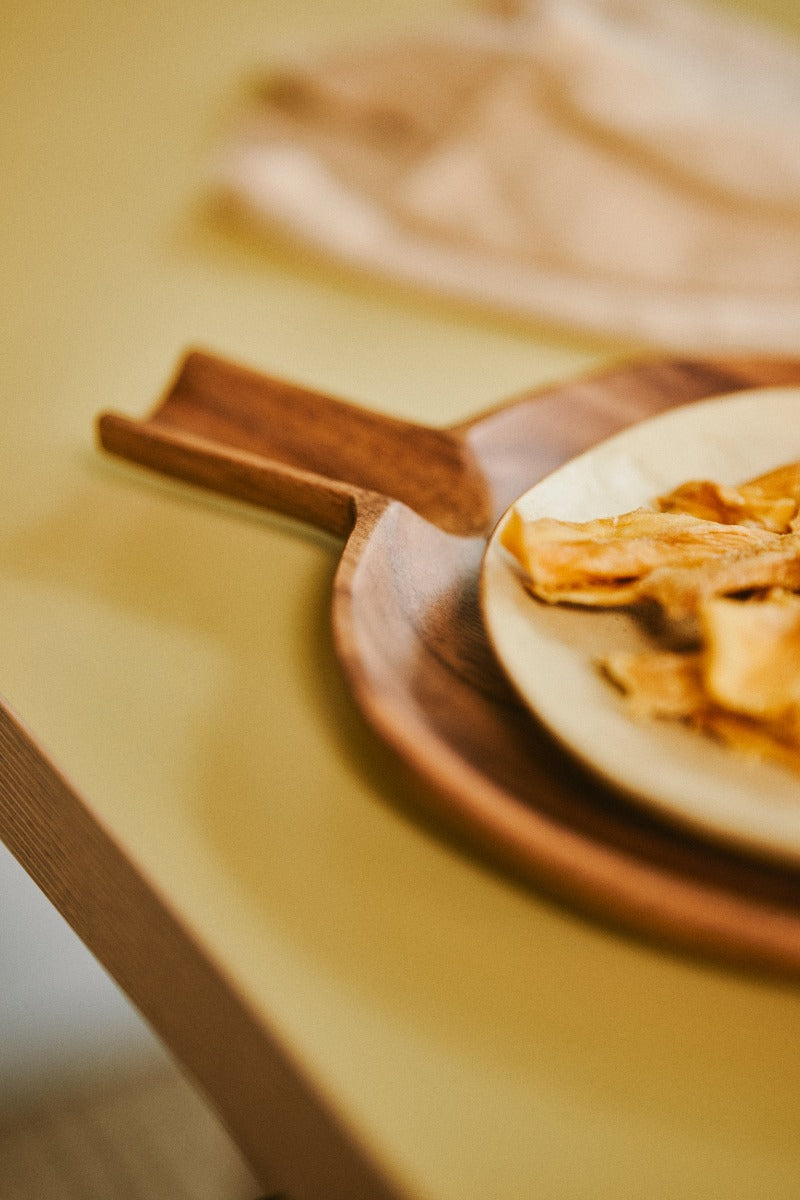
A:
[298, 451]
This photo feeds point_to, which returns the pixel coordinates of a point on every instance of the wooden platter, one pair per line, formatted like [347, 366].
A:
[416, 505]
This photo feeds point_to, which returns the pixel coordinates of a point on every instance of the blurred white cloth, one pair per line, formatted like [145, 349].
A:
[625, 167]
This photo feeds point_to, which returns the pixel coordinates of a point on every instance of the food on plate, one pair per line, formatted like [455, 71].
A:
[660, 683]
[770, 501]
[742, 685]
[680, 592]
[605, 562]
[722, 562]
[752, 654]
[778, 741]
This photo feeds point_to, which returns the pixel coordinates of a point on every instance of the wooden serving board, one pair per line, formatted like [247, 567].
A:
[415, 505]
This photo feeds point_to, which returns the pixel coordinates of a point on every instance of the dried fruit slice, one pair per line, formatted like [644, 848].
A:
[770, 501]
[705, 544]
[658, 683]
[670, 686]
[776, 741]
[680, 591]
[752, 655]
[602, 562]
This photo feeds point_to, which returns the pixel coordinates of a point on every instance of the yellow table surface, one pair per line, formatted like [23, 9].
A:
[173, 654]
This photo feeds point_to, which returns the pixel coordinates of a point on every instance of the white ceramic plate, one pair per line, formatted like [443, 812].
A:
[547, 651]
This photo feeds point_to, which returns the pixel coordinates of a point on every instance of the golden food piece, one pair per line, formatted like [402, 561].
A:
[752, 655]
[730, 506]
[770, 501]
[665, 685]
[720, 561]
[776, 741]
[777, 486]
[658, 683]
[680, 591]
[602, 562]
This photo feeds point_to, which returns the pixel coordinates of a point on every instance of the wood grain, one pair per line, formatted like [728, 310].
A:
[299, 452]
[409, 635]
